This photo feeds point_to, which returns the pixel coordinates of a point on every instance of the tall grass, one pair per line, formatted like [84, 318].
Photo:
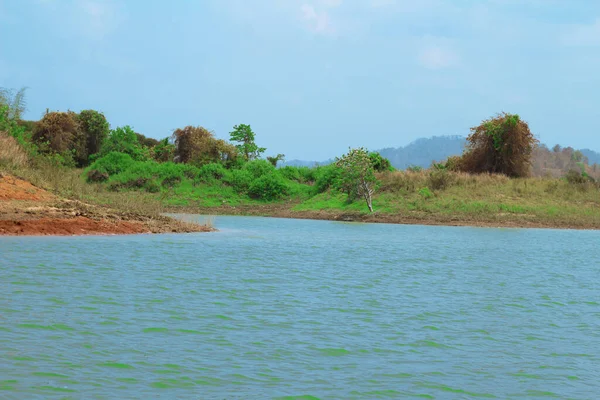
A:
[11, 154]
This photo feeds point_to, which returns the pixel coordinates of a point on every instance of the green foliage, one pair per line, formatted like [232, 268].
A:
[212, 172]
[247, 147]
[298, 174]
[380, 163]
[327, 177]
[18, 131]
[426, 193]
[95, 127]
[239, 179]
[259, 168]
[269, 187]
[124, 140]
[274, 160]
[163, 151]
[112, 164]
[357, 175]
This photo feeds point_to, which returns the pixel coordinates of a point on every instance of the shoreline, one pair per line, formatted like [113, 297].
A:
[284, 211]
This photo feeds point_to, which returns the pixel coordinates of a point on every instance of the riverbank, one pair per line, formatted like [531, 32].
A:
[414, 218]
[29, 210]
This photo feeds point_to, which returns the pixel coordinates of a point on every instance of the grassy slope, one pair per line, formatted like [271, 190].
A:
[467, 200]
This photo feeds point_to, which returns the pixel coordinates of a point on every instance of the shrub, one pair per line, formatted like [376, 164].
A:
[503, 145]
[575, 177]
[240, 180]
[327, 177]
[380, 163]
[291, 173]
[268, 187]
[112, 164]
[259, 168]
[213, 171]
[198, 146]
[439, 179]
[60, 133]
[124, 140]
[426, 193]
[94, 175]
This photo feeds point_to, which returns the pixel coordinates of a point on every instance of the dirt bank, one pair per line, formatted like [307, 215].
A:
[29, 210]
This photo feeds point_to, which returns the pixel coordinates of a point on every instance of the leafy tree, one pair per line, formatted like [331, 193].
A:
[503, 145]
[124, 140]
[557, 148]
[198, 146]
[243, 134]
[274, 160]
[95, 128]
[358, 175]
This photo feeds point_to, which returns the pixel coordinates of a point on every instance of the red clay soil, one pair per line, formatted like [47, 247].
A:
[29, 210]
[12, 188]
[70, 226]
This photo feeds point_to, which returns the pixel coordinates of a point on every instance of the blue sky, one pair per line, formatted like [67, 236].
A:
[312, 77]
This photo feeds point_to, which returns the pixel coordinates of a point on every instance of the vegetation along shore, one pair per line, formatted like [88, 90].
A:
[71, 173]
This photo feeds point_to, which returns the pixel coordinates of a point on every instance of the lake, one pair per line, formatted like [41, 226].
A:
[273, 308]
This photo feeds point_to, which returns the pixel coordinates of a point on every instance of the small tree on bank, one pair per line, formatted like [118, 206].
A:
[501, 145]
[357, 175]
[243, 134]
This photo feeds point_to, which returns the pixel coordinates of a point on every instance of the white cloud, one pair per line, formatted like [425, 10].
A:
[436, 57]
[316, 21]
[583, 35]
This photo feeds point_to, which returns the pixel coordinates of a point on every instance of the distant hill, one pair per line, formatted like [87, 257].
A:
[422, 152]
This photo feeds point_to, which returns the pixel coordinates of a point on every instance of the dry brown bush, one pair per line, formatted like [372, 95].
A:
[500, 145]
[198, 146]
[60, 132]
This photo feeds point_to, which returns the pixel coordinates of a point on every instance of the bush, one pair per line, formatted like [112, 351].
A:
[198, 146]
[112, 164]
[439, 179]
[259, 168]
[211, 172]
[61, 133]
[298, 174]
[426, 193]
[268, 187]
[500, 145]
[326, 177]
[380, 163]
[124, 140]
[240, 180]
[575, 177]
[94, 175]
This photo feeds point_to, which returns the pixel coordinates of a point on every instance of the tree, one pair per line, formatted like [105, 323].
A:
[197, 145]
[380, 163]
[243, 134]
[96, 129]
[502, 145]
[15, 102]
[357, 175]
[58, 132]
[274, 160]
[124, 140]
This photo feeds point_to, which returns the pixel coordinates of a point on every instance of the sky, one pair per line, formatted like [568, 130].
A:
[312, 77]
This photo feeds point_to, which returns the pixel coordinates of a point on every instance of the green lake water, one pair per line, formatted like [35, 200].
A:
[272, 308]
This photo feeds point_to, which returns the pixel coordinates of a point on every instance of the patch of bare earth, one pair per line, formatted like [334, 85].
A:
[29, 210]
